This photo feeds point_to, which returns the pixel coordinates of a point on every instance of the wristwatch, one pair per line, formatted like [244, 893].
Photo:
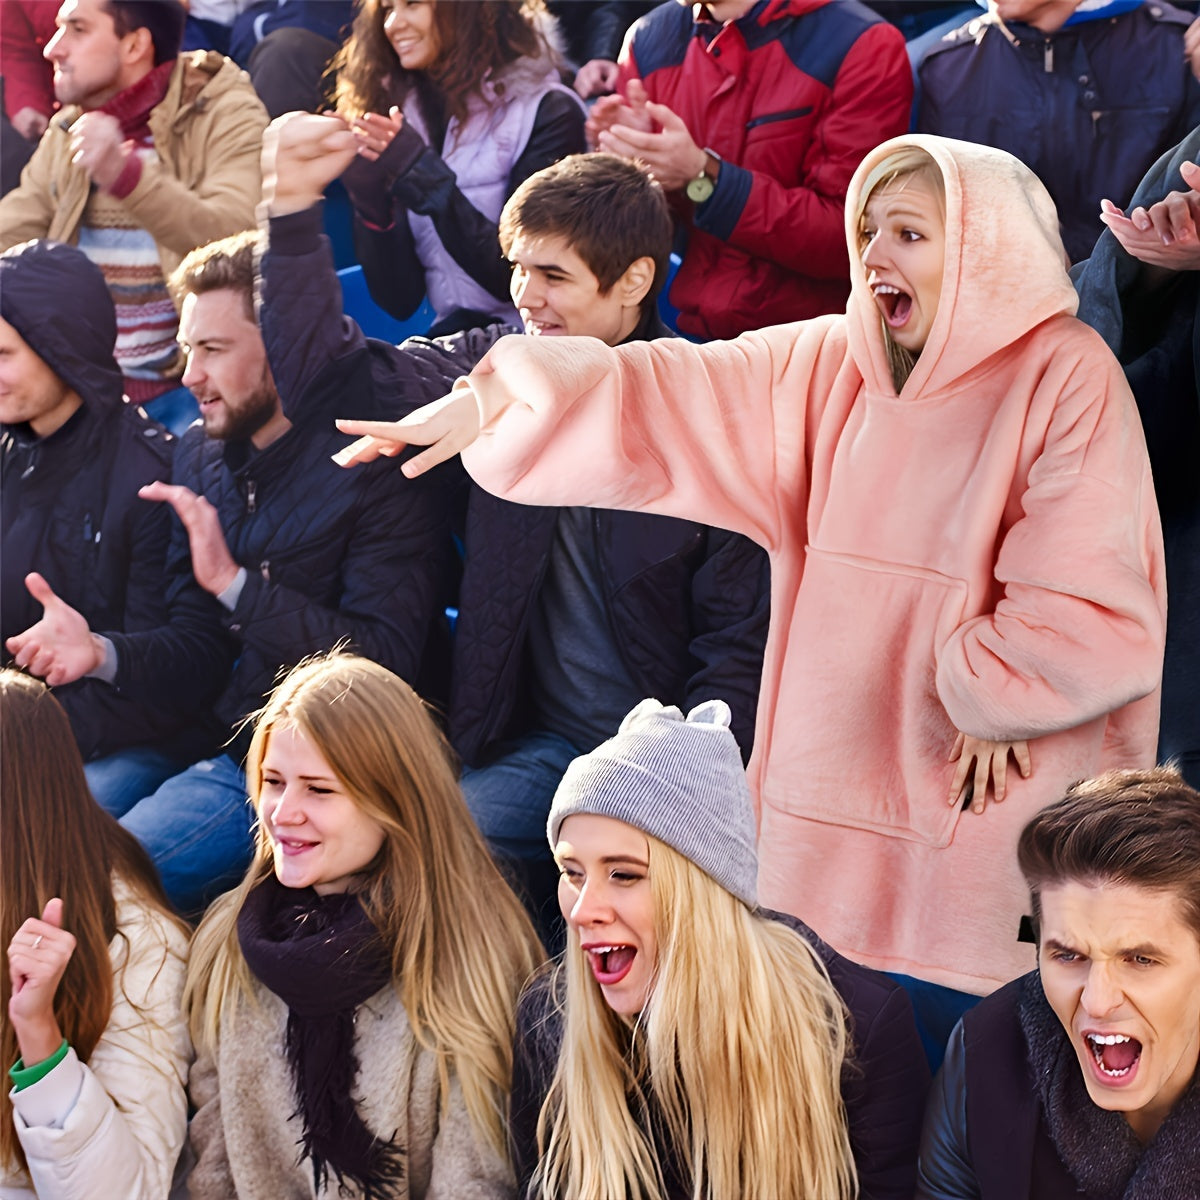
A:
[699, 189]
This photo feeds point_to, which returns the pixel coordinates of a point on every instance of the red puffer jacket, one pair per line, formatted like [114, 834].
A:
[791, 96]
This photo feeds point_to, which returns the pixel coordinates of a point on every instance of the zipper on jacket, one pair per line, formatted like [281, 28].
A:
[251, 489]
[770, 118]
[1048, 57]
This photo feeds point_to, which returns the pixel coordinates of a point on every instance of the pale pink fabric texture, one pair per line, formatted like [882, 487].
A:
[980, 553]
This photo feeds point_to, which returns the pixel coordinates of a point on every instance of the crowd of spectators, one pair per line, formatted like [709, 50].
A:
[823, 371]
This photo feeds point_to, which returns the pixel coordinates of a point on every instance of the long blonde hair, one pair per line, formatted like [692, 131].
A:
[462, 945]
[737, 1057]
[909, 162]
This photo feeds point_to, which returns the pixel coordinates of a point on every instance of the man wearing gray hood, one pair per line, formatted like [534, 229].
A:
[81, 551]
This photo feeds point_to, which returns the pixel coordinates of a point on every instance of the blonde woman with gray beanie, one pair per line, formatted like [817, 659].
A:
[689, 1045]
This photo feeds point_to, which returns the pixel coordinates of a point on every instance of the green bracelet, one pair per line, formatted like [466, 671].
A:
[23, 1076]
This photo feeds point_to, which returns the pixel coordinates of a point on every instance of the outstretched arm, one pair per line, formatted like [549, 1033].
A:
[715, 434]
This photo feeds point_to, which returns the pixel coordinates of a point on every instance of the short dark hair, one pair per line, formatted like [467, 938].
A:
[229, 262]
[164, 18]
[1137, 828]
[608, 209]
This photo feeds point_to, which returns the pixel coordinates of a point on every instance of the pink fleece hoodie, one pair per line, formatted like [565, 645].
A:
[980, 553]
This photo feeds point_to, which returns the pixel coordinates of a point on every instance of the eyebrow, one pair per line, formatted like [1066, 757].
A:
[609, 859]
[542, 267]
[1146, 948]
[906, 214]
[267, 768]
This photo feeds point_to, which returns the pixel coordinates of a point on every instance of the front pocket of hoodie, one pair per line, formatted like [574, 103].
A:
[860, 738]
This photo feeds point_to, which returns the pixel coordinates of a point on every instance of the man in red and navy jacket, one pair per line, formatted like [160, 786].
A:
[753, 114]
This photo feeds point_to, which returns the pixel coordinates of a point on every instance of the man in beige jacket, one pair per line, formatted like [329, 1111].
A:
[152, 154]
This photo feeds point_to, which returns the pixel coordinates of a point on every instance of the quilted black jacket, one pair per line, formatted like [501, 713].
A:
[333, 556]
[70, 511]
[688, 608]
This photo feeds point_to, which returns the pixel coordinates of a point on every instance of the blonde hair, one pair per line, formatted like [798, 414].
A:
[737, 1057]
[909, 162]
[462, 945]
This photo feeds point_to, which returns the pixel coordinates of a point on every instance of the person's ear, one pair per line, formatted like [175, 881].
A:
[636, 281]
[138, 46]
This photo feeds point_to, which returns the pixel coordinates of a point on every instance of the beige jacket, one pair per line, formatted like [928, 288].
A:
[246, 1137]
[203, 185]
[114, 1127]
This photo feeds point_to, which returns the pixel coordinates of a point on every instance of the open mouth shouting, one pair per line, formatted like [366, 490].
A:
[1115, 1057]
[895, 304]
[610, 963]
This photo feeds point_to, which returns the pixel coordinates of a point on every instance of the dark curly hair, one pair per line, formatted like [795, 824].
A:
[477, 37]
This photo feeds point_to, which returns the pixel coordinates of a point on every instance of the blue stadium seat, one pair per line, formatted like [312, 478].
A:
[374, 322]
[666, 310]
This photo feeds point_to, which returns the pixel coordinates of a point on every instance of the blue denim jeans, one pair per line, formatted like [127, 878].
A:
[118, 781]
[510, 797]
[197, 828]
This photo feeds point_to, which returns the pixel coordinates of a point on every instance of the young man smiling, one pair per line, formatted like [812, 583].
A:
[566, 617]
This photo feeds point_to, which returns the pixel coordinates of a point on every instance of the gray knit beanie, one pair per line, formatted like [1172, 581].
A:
[681, 781]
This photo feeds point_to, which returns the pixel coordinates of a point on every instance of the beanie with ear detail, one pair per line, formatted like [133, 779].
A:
[679, 779]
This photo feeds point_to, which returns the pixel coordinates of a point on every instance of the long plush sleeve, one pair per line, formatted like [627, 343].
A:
[1076, 633]
[714, 434]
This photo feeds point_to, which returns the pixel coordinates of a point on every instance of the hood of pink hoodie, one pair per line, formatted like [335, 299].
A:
[1005, 267]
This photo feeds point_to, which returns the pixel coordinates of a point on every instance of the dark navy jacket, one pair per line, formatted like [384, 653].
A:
[70, 510]
[332, 555]
[1087, 108]
[1154, 329]
[689, 605]
[688, 608]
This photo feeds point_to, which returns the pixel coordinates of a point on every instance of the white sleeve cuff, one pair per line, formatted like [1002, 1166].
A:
[49, 1102]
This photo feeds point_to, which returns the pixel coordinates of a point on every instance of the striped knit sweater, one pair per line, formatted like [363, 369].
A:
[147, 322]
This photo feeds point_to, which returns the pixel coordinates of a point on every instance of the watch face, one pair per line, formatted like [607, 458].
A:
[700, 188]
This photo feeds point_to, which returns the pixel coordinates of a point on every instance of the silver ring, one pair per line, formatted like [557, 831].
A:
[37, 941]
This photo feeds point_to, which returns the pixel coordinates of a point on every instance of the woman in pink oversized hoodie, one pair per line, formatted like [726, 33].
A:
[977, 552]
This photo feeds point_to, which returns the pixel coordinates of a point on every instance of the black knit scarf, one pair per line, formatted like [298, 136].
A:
[1096, 1146]
[322, 957]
